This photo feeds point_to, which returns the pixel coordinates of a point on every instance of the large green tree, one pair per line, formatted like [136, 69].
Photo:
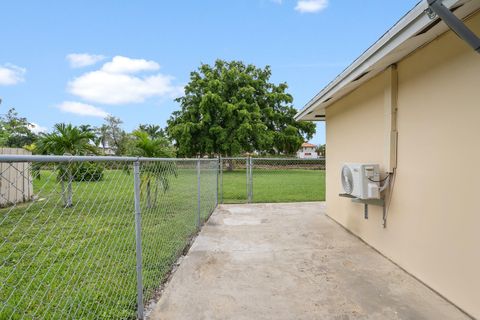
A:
[230, 108]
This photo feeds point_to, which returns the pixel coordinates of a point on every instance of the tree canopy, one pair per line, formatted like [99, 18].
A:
[230, 108]
[112, 134]
[15, 131]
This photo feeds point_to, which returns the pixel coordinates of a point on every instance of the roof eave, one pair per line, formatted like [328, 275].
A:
[402, 39]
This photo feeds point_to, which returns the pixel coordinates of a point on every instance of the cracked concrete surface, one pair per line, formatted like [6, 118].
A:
[290, 261]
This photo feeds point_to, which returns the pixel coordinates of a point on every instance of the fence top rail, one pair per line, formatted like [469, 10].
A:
[53, 158]
[43, 158]
[233, 158]
[285, 159]
[290, 159]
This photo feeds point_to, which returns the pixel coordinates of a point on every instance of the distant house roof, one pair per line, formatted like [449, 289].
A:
[308, 145]
[411, 32]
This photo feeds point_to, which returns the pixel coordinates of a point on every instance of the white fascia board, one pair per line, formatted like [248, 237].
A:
[381, 54]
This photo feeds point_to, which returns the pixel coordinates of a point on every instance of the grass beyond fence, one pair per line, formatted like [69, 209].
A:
[275, 185]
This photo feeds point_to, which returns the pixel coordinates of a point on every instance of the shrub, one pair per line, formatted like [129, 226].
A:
[87, 171]
[81, 171]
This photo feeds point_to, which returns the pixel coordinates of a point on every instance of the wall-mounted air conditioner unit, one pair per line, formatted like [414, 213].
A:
[361, 180]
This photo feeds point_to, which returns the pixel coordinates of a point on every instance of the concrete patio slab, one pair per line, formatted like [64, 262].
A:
[290, 261]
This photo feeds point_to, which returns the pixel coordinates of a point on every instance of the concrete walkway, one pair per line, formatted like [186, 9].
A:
[290, 261]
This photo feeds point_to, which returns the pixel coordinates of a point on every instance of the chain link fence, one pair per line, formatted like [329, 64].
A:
[97, 235]
[94, 237]
[246, 180]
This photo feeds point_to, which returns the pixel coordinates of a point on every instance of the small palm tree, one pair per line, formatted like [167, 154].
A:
[66, 139]
[85, 128]
[146, 146]
[156, 173]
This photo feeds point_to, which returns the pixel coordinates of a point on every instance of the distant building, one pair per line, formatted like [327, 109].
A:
[107, 151]
[307, 151]
[104, 150]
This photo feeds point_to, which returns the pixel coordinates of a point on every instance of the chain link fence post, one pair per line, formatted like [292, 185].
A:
[247, 175]
[138, 238]
[251, 179]
[248, 165]
[217, 166]
[221, 178]
[198, 193]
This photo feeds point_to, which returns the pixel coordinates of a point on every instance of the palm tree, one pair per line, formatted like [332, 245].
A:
[146, 146]
[85, 128]
[156, 173]
[66, 139]
[154, 131]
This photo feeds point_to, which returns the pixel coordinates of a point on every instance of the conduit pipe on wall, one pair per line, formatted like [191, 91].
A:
[390, 112]
[391, 134]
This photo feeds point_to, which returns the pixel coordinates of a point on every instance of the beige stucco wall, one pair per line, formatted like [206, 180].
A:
[434, 219]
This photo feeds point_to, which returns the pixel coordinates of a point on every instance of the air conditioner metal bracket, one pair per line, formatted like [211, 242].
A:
[366, 202]
[436, 8]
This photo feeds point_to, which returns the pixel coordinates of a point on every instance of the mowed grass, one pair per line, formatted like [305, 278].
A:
[79, 262]
[275, 185]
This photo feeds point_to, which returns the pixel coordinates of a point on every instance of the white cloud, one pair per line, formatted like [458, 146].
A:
[82, 109]
[37, 128]
[114, 83]
[310, 6]
[121, 64]
[79, 60]
[11, 74]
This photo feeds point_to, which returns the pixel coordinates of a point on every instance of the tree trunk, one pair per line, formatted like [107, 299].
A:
[155, 194]
[69, 191]
[67, 194]
[149, 200]
[64, 196]
[230, 165]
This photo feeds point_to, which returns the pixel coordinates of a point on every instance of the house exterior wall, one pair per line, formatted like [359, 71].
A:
[433, 227]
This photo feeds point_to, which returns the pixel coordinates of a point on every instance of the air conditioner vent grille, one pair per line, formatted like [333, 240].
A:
[347, 180]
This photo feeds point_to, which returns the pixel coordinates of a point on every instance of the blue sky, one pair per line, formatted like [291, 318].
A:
[75, 61]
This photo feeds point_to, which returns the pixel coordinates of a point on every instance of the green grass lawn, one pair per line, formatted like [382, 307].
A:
[79, 262]
[292, 185]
